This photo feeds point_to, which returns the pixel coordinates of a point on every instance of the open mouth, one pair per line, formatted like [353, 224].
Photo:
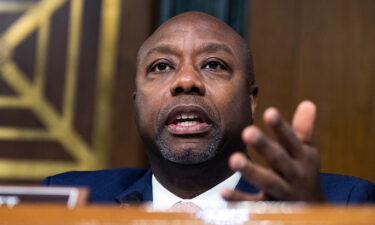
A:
[188, 121]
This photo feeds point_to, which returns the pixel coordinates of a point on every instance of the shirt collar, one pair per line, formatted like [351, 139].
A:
[163, 199]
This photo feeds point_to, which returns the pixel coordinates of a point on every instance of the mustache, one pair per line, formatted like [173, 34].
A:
[189, 100]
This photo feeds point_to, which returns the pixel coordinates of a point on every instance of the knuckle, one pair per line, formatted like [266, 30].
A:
[277, 159]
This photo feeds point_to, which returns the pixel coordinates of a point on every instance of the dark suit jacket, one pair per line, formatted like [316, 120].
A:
[116, 185]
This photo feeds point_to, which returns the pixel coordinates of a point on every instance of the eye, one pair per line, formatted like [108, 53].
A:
[161, 67]
[214, 65]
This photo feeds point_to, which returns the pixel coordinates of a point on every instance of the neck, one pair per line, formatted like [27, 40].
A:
[189, 181]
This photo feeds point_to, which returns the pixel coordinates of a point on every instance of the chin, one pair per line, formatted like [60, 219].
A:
[188, 153]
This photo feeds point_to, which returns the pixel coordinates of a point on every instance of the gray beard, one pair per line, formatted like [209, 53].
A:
[189, 156]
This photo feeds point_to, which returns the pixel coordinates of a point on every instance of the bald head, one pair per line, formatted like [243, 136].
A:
[205, 24]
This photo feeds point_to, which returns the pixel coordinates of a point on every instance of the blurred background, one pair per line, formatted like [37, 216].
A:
[67, 71]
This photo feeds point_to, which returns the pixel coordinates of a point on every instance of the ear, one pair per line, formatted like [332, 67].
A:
[134, 95]
[253, 104]
[253, 96]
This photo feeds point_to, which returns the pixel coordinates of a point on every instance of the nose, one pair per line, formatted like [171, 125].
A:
[187, 81]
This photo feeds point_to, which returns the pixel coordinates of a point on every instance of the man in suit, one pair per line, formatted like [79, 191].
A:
[195, 99]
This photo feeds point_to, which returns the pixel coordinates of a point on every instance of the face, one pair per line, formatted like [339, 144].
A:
[192, 99]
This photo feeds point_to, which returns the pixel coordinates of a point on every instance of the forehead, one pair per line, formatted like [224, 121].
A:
[200, 30]
[191, 36]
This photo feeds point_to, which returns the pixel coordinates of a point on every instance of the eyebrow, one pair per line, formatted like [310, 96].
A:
[209, 47]
[164, 49]
[215, 47]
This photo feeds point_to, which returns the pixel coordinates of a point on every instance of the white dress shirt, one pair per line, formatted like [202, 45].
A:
[163, 199]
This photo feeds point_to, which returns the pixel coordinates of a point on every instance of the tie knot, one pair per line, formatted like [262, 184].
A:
[188, 207]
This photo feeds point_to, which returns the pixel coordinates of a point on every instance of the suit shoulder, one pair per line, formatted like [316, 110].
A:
[81, 178]
[104, 185]
[347, 189]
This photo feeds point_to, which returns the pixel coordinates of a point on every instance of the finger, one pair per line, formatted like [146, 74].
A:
[283, 132]
[264, 179]
[274, 155]
[233, 195]
[303, 121]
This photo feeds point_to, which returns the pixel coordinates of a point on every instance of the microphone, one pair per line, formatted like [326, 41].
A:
[134, 197]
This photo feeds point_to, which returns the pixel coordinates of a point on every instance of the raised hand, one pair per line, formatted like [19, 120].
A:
[294, 161]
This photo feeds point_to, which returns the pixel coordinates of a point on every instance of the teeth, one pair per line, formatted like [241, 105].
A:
[187, 123]
[187, 116]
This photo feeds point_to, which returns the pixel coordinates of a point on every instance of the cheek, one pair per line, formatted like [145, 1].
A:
[235, 109]
[147, 108]
[151, 95]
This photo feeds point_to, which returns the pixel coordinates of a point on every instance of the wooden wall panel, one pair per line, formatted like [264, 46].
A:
[126, 147]
[323, 51]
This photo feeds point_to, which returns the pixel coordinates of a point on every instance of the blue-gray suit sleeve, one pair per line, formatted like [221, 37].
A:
[362, 192]
[46, 181]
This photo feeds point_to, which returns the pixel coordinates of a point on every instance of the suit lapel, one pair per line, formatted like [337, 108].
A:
[142, 186]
